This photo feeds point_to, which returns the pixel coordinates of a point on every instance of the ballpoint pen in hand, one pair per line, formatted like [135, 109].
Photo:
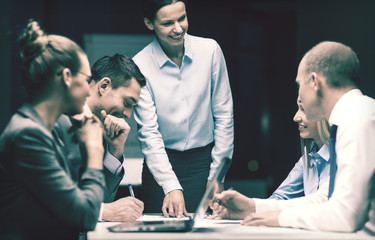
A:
[131, 190]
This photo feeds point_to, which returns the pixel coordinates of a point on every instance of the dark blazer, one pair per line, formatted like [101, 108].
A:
[37, 194]
[73, 156]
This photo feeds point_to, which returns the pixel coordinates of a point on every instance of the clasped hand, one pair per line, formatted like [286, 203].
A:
[116, 132]
[89, 134]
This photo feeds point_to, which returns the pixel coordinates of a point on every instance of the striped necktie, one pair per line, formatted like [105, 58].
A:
[333, 166]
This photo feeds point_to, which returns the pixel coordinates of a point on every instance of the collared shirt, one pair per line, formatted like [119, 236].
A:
[302, 179]
[184, 107]
[352, 204]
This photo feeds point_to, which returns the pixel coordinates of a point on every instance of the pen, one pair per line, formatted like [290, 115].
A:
[131, 190]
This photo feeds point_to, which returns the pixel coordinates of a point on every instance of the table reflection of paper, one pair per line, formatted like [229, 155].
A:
[209, 223]
[233, 227]
[148, 218]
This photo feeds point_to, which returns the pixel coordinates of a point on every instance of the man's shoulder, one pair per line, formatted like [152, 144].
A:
[362, 107]
[63, 121]
[358, 114]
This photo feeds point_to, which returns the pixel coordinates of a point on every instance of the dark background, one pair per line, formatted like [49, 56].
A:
[263, 42]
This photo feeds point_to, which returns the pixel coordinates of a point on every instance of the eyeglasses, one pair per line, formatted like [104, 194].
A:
[89, 78]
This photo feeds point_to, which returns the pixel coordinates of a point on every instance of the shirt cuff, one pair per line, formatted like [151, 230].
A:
[113, 164]
[171, 185]
[100, 218]
[288, 217]
[265, 205]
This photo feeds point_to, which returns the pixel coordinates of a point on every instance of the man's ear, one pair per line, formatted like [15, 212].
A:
[104, 85]
[148, 24]
[316, 81]
[67, 77]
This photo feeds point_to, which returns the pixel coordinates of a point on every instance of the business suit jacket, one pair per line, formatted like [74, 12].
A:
[37, 195]
[73, 156]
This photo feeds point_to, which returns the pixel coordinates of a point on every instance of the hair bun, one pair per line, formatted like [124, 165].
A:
[32, 41]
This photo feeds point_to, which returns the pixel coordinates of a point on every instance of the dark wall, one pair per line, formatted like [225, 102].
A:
[262, 41]
[350, 22]
[5, 61]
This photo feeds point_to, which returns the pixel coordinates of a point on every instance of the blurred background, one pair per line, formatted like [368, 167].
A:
[262, 40]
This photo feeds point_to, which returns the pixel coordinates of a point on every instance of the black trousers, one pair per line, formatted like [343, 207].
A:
[191, 168]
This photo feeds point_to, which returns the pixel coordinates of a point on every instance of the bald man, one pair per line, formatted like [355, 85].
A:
[328, 79]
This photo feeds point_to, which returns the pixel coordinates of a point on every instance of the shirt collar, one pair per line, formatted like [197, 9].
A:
[162, 58]
[86, 109]
[341, 106]
[188, 47]
[322, 153]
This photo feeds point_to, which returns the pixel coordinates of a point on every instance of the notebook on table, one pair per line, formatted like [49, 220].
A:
[179, 225]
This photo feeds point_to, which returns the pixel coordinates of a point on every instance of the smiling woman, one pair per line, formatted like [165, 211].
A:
[170, 26]
[312, 170]
[185, 112]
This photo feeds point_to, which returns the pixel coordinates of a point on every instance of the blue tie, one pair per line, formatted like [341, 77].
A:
[333, 166]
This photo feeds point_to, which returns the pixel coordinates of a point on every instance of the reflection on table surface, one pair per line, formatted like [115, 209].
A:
[219, 229]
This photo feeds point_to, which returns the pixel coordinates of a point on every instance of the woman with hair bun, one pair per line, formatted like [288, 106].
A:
[38, 198]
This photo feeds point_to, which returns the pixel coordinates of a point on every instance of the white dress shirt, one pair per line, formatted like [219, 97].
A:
[185, 107]
[265, 205]
[352, 205]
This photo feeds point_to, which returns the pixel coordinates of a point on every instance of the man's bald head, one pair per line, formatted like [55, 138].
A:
[336, 61]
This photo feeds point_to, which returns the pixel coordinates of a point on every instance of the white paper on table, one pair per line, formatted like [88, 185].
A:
[148, 218]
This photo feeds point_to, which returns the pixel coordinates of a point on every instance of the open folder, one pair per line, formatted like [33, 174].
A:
[179, 225]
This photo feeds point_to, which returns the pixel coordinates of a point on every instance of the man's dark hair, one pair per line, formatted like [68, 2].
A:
[119, 68]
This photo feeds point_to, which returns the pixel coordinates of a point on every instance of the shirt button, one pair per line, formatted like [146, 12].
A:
[179, 78]
[184, 140]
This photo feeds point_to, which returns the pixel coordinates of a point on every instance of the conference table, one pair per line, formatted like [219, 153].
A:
[223, 230]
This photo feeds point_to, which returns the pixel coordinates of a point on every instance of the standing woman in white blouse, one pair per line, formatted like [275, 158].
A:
[185, 111]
